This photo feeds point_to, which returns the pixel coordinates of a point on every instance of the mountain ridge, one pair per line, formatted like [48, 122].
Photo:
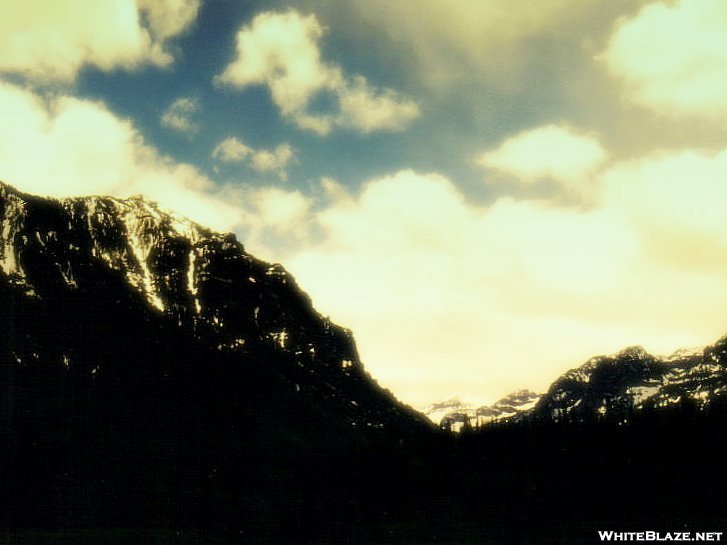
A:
[606, 386]
[202, 280]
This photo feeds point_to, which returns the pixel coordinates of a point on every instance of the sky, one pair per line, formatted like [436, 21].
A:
[486, 192]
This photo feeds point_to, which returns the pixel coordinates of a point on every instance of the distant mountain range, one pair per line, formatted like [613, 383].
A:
[605, 388]
[632, 381]
[455, 414]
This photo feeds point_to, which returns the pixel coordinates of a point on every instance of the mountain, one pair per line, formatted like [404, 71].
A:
[159, 384]
[455, 414]
[152, 372]
[629, 441]
[633, 382]
[611, 388]
[184, 277]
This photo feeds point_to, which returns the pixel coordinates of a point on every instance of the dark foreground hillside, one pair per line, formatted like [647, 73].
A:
[160, 385]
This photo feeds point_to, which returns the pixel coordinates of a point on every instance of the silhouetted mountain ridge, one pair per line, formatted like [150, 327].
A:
[153, 371]
[156, 375]
[201, 281]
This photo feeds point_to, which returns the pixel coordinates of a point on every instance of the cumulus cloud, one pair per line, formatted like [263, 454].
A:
[178, 116]
[671, 57]
[281, 51]
[550, 152]
[232, 150]
[68, 146]
[48, 40]
[368, 110]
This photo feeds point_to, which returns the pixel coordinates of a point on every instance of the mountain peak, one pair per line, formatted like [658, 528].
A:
[633, 352]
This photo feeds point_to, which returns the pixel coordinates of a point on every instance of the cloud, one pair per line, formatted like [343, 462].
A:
[178, 116]
[676, 201]
[466, 39]
[550, 152]
[232, 150]
[281, 51]
[47, 40]
[447, 296]
[168, 18]
[273, 220]
[276, 160]
[671, 58]
[67, 146]
[367, 110]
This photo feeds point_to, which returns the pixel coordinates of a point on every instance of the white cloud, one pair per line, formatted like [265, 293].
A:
[553, 152]
[366, 109]
[281, 51]
[232, 150]
[672, 56]
[276, 160]
[178, 116]
[48, 40]
[68, 146]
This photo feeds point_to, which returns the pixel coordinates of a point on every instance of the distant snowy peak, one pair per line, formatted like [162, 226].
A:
[454, 405]
[510, 405]
[455, 414]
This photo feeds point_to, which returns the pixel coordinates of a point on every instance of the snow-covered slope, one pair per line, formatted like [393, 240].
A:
[455, 414]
